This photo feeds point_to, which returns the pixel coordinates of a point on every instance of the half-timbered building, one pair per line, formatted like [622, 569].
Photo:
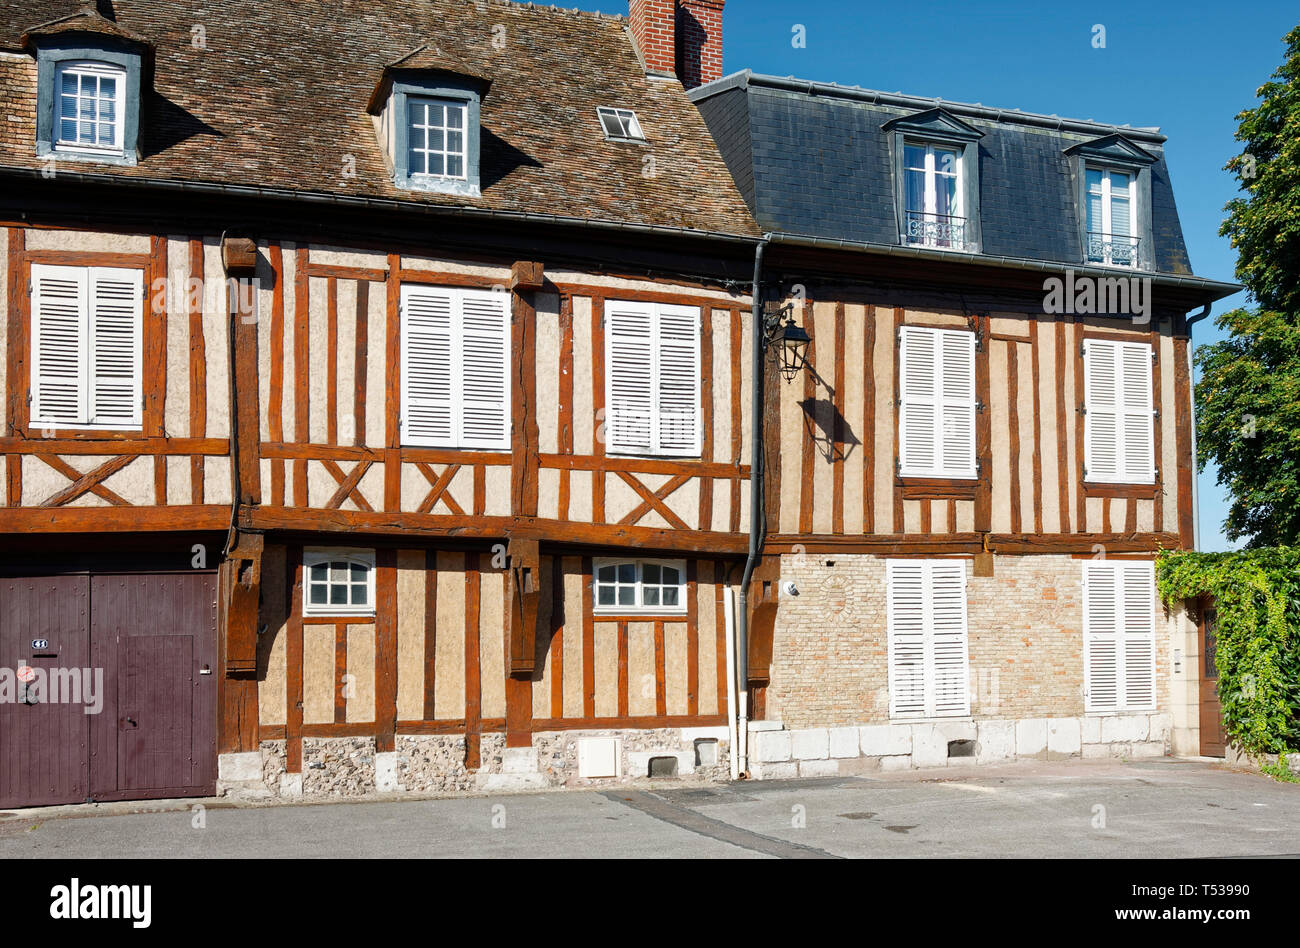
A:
[375, 409]
[988, 440]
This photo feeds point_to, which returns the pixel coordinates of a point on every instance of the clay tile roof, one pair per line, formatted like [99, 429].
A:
[277, 97]
[88, 19]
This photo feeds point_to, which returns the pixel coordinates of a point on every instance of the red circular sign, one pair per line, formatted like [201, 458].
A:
[26, 673]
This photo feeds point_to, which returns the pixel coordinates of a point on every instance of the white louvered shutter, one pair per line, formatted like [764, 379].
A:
[1119, 636]
[918, 376]
[957, 403]
[951, 676]
[116, 302]
[1101, 640]
[937, 387]
[1138, 421]
[929, 668]
[906, 614]
[60, 343]
[1139, 636]
[630, 392]
[428, 389]
[484, 402]
[677, 381]
[1118, 419]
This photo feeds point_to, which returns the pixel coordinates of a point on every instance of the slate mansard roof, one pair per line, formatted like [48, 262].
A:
[814, 160]
[278, 98]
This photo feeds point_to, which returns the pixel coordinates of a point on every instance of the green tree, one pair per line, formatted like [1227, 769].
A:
[1248, 399]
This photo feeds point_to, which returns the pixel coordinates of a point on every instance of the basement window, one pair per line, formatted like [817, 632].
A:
[338, 583]
[620, 125]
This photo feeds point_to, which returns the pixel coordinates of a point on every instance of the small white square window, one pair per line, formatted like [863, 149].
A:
[88, 107]
[437, 143]
[632, 587]
[338, 582]
[620, 125]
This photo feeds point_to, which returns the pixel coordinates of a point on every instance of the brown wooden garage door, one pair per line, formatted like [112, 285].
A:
[149, 638]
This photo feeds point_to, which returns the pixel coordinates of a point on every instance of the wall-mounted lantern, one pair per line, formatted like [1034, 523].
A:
[789, 340]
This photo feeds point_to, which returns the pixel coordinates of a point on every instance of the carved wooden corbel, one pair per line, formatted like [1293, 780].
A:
[523, 590]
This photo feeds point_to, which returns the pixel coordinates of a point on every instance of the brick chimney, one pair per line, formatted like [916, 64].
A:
[681, 38]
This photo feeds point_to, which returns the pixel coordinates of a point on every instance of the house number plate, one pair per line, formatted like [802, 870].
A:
[40, 644]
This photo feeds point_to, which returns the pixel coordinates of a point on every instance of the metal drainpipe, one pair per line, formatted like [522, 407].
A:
[756, 525]
[1196, 505]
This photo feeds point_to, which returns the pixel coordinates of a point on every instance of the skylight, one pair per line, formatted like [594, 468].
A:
[620, 125]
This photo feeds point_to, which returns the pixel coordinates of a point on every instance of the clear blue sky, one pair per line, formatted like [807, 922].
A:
[1187, 67]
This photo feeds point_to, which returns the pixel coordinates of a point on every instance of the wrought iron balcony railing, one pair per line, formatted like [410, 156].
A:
[935, 230]
[1112, 250]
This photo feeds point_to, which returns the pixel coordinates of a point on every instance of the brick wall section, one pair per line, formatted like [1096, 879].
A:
[830, 654]
[18, 113]
[654, 28]
[699, 41]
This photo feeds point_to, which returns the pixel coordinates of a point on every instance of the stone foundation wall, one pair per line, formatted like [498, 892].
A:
[350, 767]
[775, 752]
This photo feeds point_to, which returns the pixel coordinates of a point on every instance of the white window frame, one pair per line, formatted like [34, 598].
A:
[86, 277]
[101, 71]
[1107, 192]
[463, 154]
[640, 608]
[655, 312]
[929, 667]
[357, 557]
[1123, 411]
[459, 440]
[630, 126]
[938, 402]
[930, 197]
[1123, 637]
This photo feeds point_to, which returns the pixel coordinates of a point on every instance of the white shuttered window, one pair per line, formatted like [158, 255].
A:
[1119, 647]
[1118, 421]
[929, 672]
[86, 342]
[937, 402]
[652, 383]
[455, 367]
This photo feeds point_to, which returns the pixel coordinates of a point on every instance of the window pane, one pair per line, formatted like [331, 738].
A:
[670, 596]
[1094, 180]
[359, 573]
[435, 164]
[317, 594]
[455, 166]
[69, 84]
[68, 130]
[627, 595]
[455, 143]
[627, 572]
[916, 191]
[605, 595]
[650, 573]
[338, 595]
[651, 594]
[671, 576]
[455, 117]
[1119, 215]
[319, 573]
[359, 594]
[1094, 213]
[606, 574]
[914, 157]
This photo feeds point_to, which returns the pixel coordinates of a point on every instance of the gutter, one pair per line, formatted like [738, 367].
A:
[1002, 260]
[756, 525]
[389, 204]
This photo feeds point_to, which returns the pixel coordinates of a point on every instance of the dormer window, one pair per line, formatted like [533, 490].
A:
[620, 125]
[88, 90]
[936, 180]
[934, 215]
[1110, 237]
[436, 142]
[427, 117]
[89, 104]
[1113, 180]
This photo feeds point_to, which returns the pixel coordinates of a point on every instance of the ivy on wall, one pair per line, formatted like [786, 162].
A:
[1257, 598]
